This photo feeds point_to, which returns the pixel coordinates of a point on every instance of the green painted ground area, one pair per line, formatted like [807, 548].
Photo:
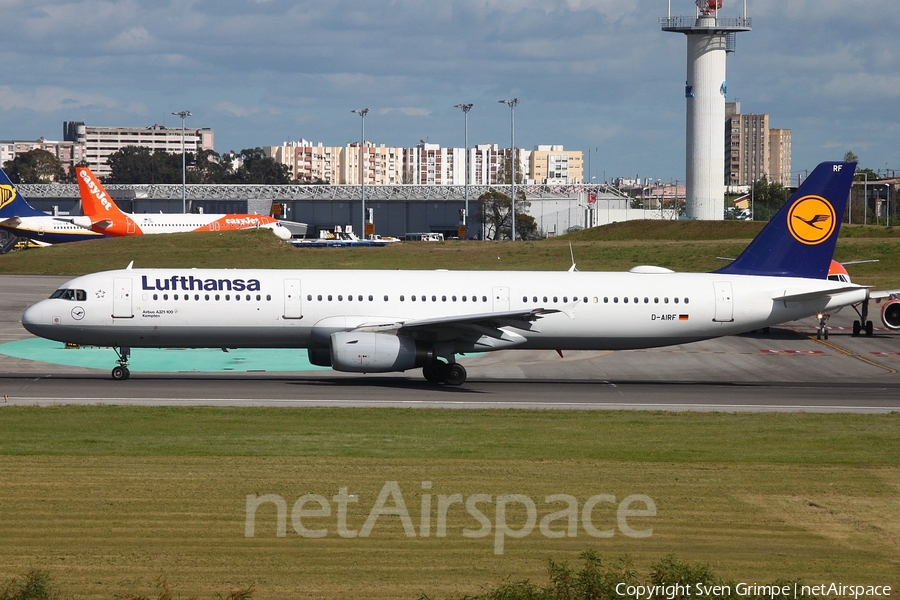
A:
[152, 360]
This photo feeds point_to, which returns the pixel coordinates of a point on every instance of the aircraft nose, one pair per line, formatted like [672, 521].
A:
[32, 318]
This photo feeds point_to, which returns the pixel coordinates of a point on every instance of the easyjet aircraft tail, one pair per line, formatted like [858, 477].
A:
[99, 207]
[12, 204]
[103, 216]
[799, 241]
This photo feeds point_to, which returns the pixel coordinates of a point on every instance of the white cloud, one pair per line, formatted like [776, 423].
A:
[409, 111]
[51, 99]
[132, 39]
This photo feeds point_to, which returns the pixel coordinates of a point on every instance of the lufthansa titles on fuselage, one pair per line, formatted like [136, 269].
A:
[189, 283]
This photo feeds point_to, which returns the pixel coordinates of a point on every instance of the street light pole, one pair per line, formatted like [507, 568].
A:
[362, 112]
[183, 114]
[512, 150]
[466, 108]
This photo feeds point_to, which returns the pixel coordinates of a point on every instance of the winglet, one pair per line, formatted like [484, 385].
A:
[799, 241]
[12, 204]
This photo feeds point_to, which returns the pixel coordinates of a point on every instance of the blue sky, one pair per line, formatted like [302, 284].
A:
[594, 75]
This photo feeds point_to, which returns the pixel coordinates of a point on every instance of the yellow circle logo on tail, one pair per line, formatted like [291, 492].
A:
[811, 220]
[7, 193]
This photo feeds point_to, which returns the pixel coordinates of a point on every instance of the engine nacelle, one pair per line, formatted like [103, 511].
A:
[365, 352]
[321, 357]
[890, 314]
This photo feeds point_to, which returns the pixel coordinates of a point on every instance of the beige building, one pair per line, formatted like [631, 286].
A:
[100, 142]
[425, 164]
[753, 150]
[552, 165]
[780, 156]
[68, 154]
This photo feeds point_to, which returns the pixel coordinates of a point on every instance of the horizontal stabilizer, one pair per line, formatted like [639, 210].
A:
[817, 295]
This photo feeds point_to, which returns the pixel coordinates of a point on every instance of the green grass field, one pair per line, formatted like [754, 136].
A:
[110, 498]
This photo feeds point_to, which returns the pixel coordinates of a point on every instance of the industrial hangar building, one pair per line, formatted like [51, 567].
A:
[397, 209]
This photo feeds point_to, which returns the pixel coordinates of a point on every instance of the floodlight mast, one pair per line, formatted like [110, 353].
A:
[466, 108]
[511, 102]
[362, 112]
[183, 114]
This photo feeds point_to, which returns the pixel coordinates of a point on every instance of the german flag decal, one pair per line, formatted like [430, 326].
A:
[683, 317]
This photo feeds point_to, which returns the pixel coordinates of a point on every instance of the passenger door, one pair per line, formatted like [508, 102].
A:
[724, 302]
[293, 301]
[122, 299]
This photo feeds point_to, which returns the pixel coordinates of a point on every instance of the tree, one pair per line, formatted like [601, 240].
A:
[851, 157]
[256, 167]
[526, 227]
[768, 197]
[495, 210]
[35, 166]
[209, 167]
[136, 164]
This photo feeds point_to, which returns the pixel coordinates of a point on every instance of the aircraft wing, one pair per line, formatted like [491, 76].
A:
[520, 319]
[483, 330]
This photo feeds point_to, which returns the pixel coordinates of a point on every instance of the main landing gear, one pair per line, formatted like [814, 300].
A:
[448, 373]
[858, 327]
[121, 372]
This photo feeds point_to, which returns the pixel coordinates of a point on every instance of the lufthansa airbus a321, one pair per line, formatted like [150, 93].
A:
[381, 321]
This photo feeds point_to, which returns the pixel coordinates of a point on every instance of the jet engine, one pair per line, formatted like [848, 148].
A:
[282, 232]
[366, 352]
[321, 357]
[890, 314]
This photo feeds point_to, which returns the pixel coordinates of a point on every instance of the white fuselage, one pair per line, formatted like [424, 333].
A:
[49, 229]
[271, 308]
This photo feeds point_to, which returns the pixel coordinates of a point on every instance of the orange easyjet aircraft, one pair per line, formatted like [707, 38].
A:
[103, 216]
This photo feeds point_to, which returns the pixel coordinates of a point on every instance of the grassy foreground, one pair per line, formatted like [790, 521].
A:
[679, 245]
[108, 499]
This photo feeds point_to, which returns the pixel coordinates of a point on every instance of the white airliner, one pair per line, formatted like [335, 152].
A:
[101, 215]
[383, 321]
[23, 220]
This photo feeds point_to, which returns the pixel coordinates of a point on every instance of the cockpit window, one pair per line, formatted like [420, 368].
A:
[67, 294]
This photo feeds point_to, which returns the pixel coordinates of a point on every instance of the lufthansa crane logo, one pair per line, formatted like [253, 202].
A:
[811, 220]
[7, 194]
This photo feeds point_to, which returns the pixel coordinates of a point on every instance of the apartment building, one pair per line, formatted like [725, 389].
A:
[753, 150]
[68, 154]
[780, 156]
[553, 165]
[308, 162]
[99, 142]
[426, 164]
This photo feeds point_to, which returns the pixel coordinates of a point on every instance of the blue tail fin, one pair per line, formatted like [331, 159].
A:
[12, 204]
[799, 240]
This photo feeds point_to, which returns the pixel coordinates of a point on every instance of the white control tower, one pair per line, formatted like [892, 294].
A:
[709, 38]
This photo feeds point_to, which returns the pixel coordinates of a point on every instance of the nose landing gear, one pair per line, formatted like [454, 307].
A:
[121, 372]
[822, 331]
